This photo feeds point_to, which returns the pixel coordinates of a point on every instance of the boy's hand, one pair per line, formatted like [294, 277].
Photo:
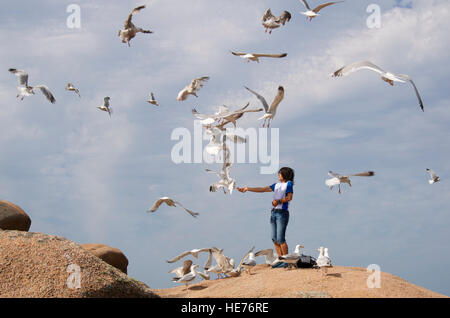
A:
[242, 189]
[275, 203]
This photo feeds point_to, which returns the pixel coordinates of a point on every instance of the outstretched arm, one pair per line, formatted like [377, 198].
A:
[262, 189]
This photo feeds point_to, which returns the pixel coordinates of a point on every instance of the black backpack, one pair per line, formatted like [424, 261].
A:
[306, 261]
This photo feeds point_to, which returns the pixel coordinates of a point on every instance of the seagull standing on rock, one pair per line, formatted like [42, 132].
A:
[26, 90]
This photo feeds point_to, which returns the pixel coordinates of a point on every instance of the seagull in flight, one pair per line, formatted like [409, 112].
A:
[255, 56]
[388, 77]
[26, 90]
[225, 182]
[129, 29]
[269, 21]
[315, 12]
[105, 107]
[434, 177]
[337, 179]
[170, 202]
[272, 109]
[192, 88]
[70, 87]
[194, 252]
[152, 100]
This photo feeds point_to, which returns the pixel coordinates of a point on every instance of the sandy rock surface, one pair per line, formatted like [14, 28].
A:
[266, 282]
[40, 265]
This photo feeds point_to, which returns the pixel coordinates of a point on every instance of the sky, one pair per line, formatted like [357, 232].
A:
[90, 178]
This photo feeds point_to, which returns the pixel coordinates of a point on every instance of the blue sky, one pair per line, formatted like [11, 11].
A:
[89, 178]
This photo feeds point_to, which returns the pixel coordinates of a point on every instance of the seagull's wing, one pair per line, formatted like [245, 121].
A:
[160, 201]
[356, 67]
[238, 53]
[277, 100]
[332, 174]
[432, 173]
[236, 138]
[261, 99]
[176, 258]
[194, 214]
[320, 7]
[204, 276]
[152, 96]
[267, 15]
[128, 24]
[186, 266]
[193, 252]
[407, 78]
[212, 171]
[197, 83]
[268, 251]
[44, 89]
[22, 76]
[363, 174]
[208, 261]
[106, 101]
[284, 17]
[270, 55]
[305, 4]
[243, 258]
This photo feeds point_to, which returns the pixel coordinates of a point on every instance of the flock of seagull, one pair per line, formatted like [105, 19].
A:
[225, 266]
[215, 125]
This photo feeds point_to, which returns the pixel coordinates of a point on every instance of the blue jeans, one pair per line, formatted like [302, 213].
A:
[278, 221]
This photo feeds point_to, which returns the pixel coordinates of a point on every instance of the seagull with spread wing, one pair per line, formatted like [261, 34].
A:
[192, 88]
[388, 77]
[106, 107]
[244, 263]
[255, 56]
[272, 109]
[337, 179]
[187, 278]
[182, 270]
[194, 252]
[434, 177]
[225, 182]
[170, 202]
[26, 90]
[70, 87]
[129, 29]
[269, 21]
[152, 100]
[315, 12]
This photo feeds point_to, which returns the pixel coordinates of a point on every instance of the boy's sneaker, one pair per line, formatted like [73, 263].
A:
[279, 263]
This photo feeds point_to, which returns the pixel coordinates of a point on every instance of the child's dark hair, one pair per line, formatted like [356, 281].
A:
[287, 173]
